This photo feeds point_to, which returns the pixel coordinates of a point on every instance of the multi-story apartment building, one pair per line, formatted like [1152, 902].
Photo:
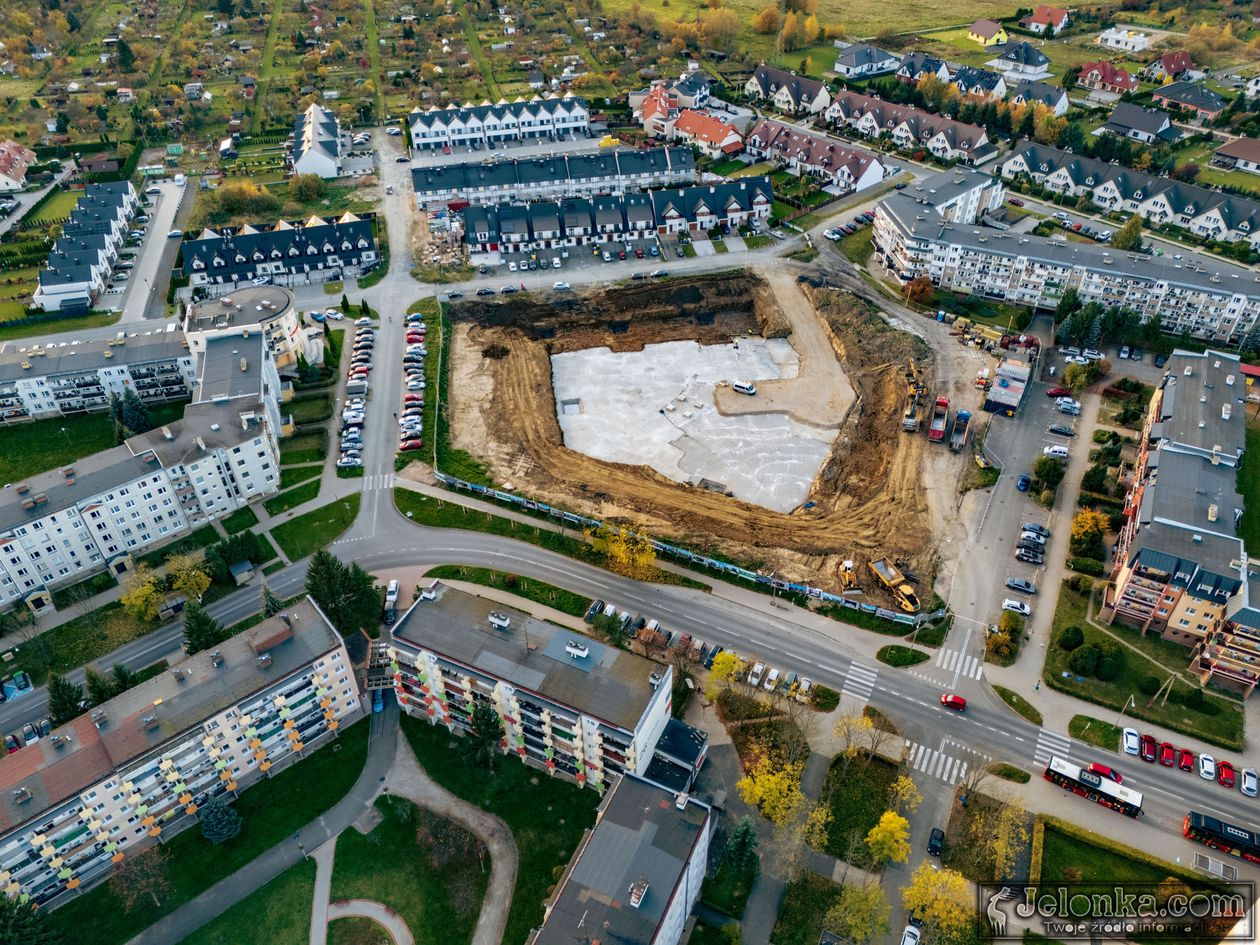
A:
[480, 125]
[582, 222]
[71, 377]
[1180, 569]
[815, 155]
[1210, 299]
[619, 171]
[138, 767]
[1206, 213]
[317, 250]
[637, 874]
[82, 257]
[268, 309]
[570, 704]
[910, 128]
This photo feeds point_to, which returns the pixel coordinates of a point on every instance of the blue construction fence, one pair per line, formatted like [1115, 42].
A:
[691, 557]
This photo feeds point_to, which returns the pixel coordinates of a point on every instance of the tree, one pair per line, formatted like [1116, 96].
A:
[345, 303]
[727, 667]
[1068, 306]
[941, 898]
[141, 594]
[1129, 236]
[201, 631]
[219, 822]
[1048, 471]
[270, 603]
[364, 310]
[485, 734]
[773, 789]
[64, 699]
[347, 595]
[121, 678]
[1089, 528]
[804, 831]
[126, 58]
[792, 32]
[920, 288]
[1076, 377]
[768, 20]
[719, 29]
[1000, 831]
[741, 849]
[307, 187]
[905, 795]
[135, 415]
[628, 552]
[889, 840]
[860, 914]
[98, 686]
[188, 575]
[143, 876]
[23, 923]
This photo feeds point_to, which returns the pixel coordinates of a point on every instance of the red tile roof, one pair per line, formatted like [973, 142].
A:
[1108, 75]
[704, 127]
[1050, 16]
[14, 159]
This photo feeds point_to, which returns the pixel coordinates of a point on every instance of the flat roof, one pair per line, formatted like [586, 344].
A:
[231, 366]
[175, 701]
[249, 306]
[1204, 404]
[608, 684]
[206, 426]
[75, 356]
[54, 490]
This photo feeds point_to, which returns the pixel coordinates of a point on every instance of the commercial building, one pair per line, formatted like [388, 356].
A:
[616, 171]
[140, 766]
[637, 874]
[14, 160]
[317, 143]
[910, 128]
[921, 233]
[815, 155]
[317, 250]
[569, 704]
[1180, 569]
[268, 309]
[1207, 213]
[84, 254]
[479, 125]
[787, 91]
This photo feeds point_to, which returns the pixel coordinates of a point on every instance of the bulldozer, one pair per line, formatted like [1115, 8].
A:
[848, 576]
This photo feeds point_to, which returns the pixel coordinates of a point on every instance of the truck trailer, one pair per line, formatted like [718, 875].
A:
[960, 430]
[940, 420]
[892, 578]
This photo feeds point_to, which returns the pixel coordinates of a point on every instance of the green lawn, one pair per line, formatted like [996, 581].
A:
[758, 241]
[539, 592]
[241, 520]
[805, 905]
[895, 655]
[310, 409]
[203, 537]
[859, 792]
[856, 247]
[304, 448]
[1095, 732]
[293, 497]
[79, 641]
[1062, 851]
[59, 206]
[727, 890]
[547, 816]
[272, 810]
[278, 914]
[422, 866]
[291, 475]
[1019, 704]
[318, 528]
[356, 932]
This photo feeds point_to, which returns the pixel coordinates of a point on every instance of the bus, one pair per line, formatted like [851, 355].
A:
[1236, 841]
[1097, 789]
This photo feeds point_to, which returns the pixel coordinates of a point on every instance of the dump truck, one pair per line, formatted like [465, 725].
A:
[961, 428]
[892, 578]
[940, 420]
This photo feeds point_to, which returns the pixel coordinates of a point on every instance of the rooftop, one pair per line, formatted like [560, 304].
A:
[231, 367]
[75, 356]
[1203, 409]
[249, 306]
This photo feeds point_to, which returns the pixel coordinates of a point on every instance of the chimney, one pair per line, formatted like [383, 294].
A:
[638, 889]
[680, 800]
[244, 365]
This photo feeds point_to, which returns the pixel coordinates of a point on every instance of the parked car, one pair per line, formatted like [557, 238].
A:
[1224, 772]
[1167, 754]
[1060, 429]
[1030, 557]
[1207, 767]
[485, 290]
[1036, 529]
[1130, 741]
[1059, 392]
[1149, 748]
[1021, 585]
[1016, 607]
[1185, 759]
[936, 840]
[1248, 783]
[1023, 482]
[175, 234]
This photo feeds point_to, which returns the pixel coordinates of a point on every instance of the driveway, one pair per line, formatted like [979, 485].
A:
[155, 257]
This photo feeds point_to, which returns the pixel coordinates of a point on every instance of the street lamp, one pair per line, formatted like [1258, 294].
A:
[1130, 704]
[67, 436]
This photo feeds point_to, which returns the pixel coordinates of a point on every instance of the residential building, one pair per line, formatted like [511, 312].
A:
[1022, 61]
[14, 160]
[317, 250]
[1130, 41]
[1102, 76]
[637, 874]
[1044, 19]
[987, 33]
[608, 171]
[84, 254]
[1191, 97]
[479, 125]
[914, 66]
[1253, 87]
[1148, 125]
[1053, 97]
[268, 309]
[911, 128]
[710, 136]
[1241, 154]
[978, 83]
[1207, 213]
[1170, 66]
[736, 203]
[569, 704]
[139, 767]
[816, 155]
[317, 143]
[787, 91]
[1212, 300]
[679, 756]
[860, 60]
[691, 89]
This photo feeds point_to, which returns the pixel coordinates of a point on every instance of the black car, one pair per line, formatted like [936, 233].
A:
[454, 295]
[1030, 557]
[1032, 546]
[711, 656]
[936, 840]
[596, 608]
[485, 291]
[1060, 429]
[1160, 360]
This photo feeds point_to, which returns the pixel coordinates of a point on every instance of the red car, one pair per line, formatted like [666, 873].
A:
[408, 445]
[951, 701]
[638, 253]
[1148, 747]
[1167, 754]
[1185, 759]
[1105, 772]
[1225, 774]
[1059, 392]
[414, 399]
[621, 254]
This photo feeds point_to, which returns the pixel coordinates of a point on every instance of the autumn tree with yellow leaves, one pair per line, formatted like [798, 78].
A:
[889, 840]
[628, 552]
[774, 789]
[941, 898]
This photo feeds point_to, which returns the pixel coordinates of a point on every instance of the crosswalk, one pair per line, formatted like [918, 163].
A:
[967, 665]
[860, 681]
[935, 764]
[380, 481]
[1051, 743]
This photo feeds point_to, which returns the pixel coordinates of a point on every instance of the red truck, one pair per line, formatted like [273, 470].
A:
[940, 420]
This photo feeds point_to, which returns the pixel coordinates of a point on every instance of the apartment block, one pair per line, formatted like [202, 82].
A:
[137, 768]
[479, 125]
[269, 310]
[569, 704]
[84, 254]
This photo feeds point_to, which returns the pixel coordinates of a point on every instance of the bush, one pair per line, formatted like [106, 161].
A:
[826, 699]
[1086, 566]
[1070, 638]
[1193, 698]
[1081, 583]
[1108, 667]
[1084, 660]
[1149, 685]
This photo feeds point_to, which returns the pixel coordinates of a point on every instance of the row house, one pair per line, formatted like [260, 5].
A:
[916, 65]
[787, 91]
[317, 144]
[910, 128]
[972, 82]
[1104, 77]
[96, 229]
[1206, 213]
[617, 171]
[815, 155]
[140, 767]
[521, 120]
[319, 250]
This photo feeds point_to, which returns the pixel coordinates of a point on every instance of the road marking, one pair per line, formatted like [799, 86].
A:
[860, 681]
[960, 663]
[936, 764]
[1050, 743]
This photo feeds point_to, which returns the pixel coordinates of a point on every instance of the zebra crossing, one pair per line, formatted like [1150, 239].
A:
[1051, 743]
[860, 681]
[966, 665]
[379, 481]
[935, 764]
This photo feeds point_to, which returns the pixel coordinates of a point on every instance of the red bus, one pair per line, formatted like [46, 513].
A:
[1236, 841]
[1097, 789]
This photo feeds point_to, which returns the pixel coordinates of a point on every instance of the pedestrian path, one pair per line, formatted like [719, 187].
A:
[860, 681]
[1051, 743]
[935, 763]
[966, 665]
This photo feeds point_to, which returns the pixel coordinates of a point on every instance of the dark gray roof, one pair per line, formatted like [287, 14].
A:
[1152, 121]
[862, 54]
[332, 236]
[681, 742]
[971, 78]
[1043, 92]
[800, 88]
[1198, 391]
[918, 63]
[1024, 54]
[1191, 95]
[219, 373]
[537, 106]
[691, 84]
[206, 426]
[53, 491]
[75, 357]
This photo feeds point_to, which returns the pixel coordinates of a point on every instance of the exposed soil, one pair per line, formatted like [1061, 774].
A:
[869, 497]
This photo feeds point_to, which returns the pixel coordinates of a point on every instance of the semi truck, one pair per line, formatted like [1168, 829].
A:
[940, 419]
[892, 578]
[960, 430]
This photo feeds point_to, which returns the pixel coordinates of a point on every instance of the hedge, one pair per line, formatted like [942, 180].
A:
[1096, 500]
[825, 698]
[1091, 566]
[1038, 840]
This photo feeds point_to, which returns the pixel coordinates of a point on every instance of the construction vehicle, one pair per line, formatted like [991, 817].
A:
[983, 380]
[958, 433]
[848, 577]
[609, 141]
[940, 420]
[892, 578]
[915, 389]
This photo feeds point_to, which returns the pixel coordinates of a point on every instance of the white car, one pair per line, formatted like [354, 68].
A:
[1131, 741]
[261, 280]
[415, 385]
[1055, 452]
[349, 462]
[1016, 607]
[1207, 767]
[363, 322]
[1247, 783]
[910, 936]
[1076, 359]
[561, 286]
[511, 267]
[832, 235]
[754, 678]
[394, 132]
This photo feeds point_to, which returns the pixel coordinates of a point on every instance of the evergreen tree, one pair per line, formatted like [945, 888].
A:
[98, 687]
[345, 303]
[219, 822]
[122, 678]
[135, 415]
[21, 923]
[126, 58]
[64, 698]
[484, 734]
[741, 849]
[347, 595]
[1129, 236]
[271, 604]
[201, 631]
[363, 308]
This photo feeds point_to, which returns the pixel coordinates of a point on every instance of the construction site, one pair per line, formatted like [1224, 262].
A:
[761, 419]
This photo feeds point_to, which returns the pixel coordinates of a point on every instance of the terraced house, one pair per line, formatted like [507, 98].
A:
[787, 91]
[910, 127]
[815, 155]
[140, 766]
[479, 125]
[1206, 213]
[85, 252]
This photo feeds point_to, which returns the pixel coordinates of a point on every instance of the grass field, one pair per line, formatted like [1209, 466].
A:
[80, 641]
[574, 605]
[291, 475]
[13, 309]
[58, 207]
[805, 905]
[239, 521]
[304, 448]
[1249, 486]
[278, 914]
[1019, 704]
[356, 932]
[318, 528]
[859, 795]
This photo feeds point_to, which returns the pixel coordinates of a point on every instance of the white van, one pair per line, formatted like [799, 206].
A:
[754, 678]
[391, 593]
[744, 387]
[1055, 452]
